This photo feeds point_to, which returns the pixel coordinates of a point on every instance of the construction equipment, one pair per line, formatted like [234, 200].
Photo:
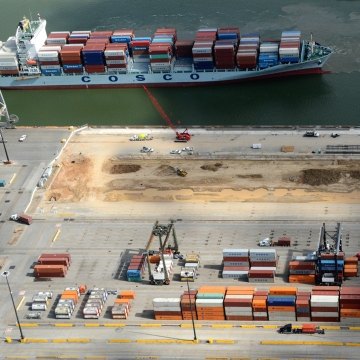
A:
[180, 136]
[304, 329]
[190, 269]
[181, 172]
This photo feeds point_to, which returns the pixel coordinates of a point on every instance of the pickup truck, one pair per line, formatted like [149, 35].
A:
[22, 218]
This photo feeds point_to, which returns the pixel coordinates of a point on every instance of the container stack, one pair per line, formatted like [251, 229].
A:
[40, 302]
[225, 47]
[302, 270]
[161, 49]
[262, 265]
[210, 303]
[238, 303]
[188, 305]
[52, 265]
[117, 57]
[79, 37]
[122, 304]
[203, 47]
[330, 267]
[350, 304]
[167, 309]
[8, 65]
[325, 303]
[93, 56]
[183, 49]
[268, 55]
[99, 37]
[162, 269]
[136, 268]
[123, 36]
[58, 38]
[289, 50]
[67, 302]
[70, 56]
[139, 47]
[303, 306]
[247, 52]
[259, 305]
[95, 303]
[49, 61]
[351, 267]
[281, 303]
[236, 263]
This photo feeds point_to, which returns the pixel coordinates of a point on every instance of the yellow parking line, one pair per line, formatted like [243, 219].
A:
[354, 328]
[34, 340]
[270, 326]
[63, 325]
[224, 341]
[329, 327]
[115, 341]
[28, 324]
[12, 178]
[248, 326]
[351, 344]
[58, 341]
[190, 325]
[56, 235]
[285, 342]
[78, 340]
[114, 325]
[20, 303]
[219, 326]
[91, 325]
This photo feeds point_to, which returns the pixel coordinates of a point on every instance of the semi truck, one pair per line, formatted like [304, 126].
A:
[304, 329]
[22, 218]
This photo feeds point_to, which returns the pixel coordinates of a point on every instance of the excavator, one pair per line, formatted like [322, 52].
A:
[180, 136]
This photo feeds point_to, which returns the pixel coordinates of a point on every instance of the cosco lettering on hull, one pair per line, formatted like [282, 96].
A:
[140, 78]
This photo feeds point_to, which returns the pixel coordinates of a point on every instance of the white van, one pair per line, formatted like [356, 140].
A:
[256, 146]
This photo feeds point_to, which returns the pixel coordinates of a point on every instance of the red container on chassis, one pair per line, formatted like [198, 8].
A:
[349, 290]
[56, 256]
[320, 292]
[303, 265]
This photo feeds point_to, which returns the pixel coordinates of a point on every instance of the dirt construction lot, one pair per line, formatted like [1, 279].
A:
[116, 171]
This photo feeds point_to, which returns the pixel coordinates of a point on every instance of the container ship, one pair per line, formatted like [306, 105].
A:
[33, 59]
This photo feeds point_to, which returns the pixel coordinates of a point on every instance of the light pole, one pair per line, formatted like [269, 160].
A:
[5, 274]
[192, 316]
[6, 153]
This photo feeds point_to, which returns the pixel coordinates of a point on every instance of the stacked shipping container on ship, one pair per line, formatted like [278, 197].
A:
[268, 55]
[238, 303]
[167, 309]
[188, 305]
[117, 57]
[67, 302]
[52, 265]
[262, 265]
[210, 303]
[236, 263]
[330, 266]
[183, 52]
[259, 305]
[302, 269]
[8, 64]
[95, 303]
[136, 268]
[122, 304]
[161, 49]
[290, 47]
[247, 52]
[70, 56]
[139, 47]
[79, 37]
[303, 306]
[281, 303]
[203, 47]
[350, 304]
[48, 58]
[325, 303]
[225, 47]
[351, 267]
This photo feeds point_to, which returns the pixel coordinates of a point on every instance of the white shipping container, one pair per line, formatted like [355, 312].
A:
[9, 67]
[50, 67]
[167, 308]
[166, 301]
[239, 296]
[45, 48]
[211, 302]
[324, 314]
[236, 252]
[324, 299]
[10, 62]
[263, 268]
[260, 314]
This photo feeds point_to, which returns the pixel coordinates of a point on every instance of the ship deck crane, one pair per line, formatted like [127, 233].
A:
[180, 136]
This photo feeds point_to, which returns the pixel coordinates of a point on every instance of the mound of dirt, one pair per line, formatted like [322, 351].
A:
[317, 177]
[124, 168]
[250, 176]
[165, 170]
[212, 167]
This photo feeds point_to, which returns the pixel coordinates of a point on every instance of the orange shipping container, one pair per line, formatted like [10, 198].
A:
[282, 290]
[212, 289]
[241, 288]
[127, 294]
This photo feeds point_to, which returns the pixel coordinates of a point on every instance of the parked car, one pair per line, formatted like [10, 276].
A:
[334, 135]
[311, 134]
[175, 152]
[146, 149]
[22, 138]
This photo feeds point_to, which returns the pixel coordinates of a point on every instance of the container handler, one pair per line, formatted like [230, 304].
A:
[304, 329]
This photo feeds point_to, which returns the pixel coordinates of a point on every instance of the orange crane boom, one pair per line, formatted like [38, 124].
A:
[180, 136]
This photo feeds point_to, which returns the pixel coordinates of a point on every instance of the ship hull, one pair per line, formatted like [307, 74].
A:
[171, 79]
